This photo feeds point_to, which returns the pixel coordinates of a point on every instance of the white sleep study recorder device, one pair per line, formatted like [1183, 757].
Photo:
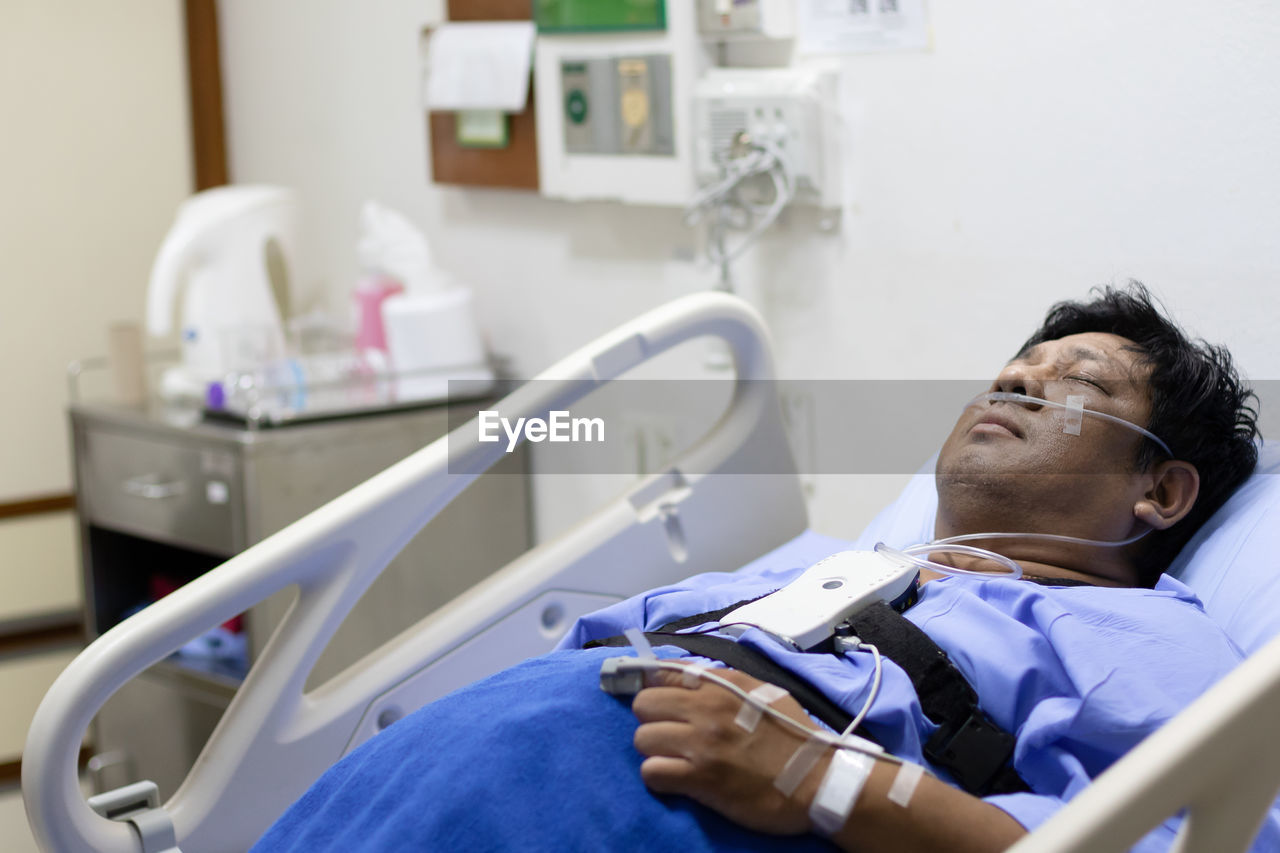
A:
[806, 611]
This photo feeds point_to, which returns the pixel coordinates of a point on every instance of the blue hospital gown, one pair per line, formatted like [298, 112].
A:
[1080, 673]
[538, 758]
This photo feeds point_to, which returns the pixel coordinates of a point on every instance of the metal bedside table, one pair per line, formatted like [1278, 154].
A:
[164, 496]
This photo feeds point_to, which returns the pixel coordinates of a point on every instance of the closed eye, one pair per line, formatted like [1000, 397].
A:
[1089, 381]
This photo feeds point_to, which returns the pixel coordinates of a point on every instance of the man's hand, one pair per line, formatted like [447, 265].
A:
[695, 748]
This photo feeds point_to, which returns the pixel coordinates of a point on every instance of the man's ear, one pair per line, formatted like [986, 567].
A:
[1169, 498]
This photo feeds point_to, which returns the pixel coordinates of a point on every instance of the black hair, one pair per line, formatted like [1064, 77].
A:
[1200, 406]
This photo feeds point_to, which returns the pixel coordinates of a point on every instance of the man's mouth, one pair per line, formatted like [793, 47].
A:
[993, 423]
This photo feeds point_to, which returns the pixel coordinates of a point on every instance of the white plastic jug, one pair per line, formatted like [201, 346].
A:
[233, 248]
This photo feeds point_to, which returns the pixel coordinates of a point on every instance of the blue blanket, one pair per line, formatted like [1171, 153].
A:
[535, 758]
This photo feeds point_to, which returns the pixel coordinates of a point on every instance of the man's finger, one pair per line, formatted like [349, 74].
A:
[661, 703]
[667, 738]
[671, 678]
[667, 775]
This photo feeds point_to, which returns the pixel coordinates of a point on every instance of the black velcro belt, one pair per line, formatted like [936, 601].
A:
[968, 744]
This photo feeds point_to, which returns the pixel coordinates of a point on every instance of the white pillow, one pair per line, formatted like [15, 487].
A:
[1232, 563]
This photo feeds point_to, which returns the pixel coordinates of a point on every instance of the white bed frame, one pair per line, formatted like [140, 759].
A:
[700, 514]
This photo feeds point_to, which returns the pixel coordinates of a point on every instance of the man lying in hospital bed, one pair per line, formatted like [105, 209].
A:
[1109, 431]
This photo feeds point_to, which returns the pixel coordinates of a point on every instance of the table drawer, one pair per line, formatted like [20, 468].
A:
[182, 494]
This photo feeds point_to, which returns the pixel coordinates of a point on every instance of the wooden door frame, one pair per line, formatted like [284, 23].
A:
[204, 82]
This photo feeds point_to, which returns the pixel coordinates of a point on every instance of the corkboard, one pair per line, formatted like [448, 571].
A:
[516, 165]
[489, 10]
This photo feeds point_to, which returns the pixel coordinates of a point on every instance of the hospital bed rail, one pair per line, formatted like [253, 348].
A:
[1218, 759]
[710, 509]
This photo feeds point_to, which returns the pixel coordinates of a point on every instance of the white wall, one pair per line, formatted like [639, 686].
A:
[1037, 149]
[94, 158]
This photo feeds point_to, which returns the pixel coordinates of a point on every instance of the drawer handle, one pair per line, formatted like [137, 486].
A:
[147, 486]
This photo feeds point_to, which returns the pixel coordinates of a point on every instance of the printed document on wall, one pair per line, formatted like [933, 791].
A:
[861, 26]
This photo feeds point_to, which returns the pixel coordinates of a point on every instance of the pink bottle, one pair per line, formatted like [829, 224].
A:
[369, 296]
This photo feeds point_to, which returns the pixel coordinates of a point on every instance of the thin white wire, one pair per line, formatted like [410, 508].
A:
[764, 158]
[779, 172]
[871, 697]
[840, 741]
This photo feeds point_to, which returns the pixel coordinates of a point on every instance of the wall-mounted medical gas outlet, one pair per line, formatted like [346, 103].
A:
[732, 20]
[794, 109]
[617, 105]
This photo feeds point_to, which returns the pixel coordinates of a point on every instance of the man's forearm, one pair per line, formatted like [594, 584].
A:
[938, 817]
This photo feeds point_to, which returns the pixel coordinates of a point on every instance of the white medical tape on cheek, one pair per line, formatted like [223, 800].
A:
[1002, 396]
[846, 775]
[799, 765]
[640, 642]
[750, 713]
[904, 783]
[1075, 415]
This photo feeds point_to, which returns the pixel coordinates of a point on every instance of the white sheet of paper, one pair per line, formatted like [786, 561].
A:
[481, 65]
[861, 26]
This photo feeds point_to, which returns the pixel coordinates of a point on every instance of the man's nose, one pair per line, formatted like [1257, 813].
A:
[1020, 379]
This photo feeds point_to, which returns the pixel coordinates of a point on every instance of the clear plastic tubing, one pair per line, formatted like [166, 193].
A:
[1010, 397]
[953, 544]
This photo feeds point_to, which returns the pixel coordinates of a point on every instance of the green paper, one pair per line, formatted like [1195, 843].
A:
[482, 128]
[590, 16]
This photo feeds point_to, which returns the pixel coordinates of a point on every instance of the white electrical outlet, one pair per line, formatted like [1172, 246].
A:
[792, 108]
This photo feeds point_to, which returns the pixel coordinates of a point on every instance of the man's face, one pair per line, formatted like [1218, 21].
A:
[1011, 464]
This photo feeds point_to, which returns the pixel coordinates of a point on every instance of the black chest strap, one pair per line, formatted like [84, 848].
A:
[968, 744]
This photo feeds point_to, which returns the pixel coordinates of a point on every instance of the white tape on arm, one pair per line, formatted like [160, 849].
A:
[846, 775]
[904, 783]
[799, 765]
[751, 711]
